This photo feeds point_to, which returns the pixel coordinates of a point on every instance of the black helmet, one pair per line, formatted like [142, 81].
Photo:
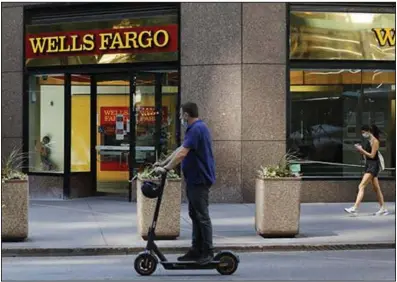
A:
[150, 189]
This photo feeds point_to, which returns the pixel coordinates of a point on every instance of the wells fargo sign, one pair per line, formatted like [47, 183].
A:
[108, 114]
[151, 39]
[146, 115]
[385, 36]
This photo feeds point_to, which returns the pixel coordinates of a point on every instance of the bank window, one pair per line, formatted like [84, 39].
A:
[328, 108]
[46, 123]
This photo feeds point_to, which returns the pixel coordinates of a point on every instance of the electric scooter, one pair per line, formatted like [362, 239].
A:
[225, 262]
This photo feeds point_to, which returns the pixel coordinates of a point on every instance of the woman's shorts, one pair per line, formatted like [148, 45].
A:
[372, 167]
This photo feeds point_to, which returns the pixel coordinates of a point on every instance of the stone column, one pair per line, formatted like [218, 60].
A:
[11, 77]
[263, 131]
[211, 57]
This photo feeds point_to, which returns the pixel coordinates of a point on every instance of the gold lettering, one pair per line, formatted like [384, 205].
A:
[105, 40]
[156, 38]
[129, 39]
[88, 39]
[52, 44]
[37, 44]
[62, 42]
[148, 40]
[75, 39]
[384, 35]
[117, 41]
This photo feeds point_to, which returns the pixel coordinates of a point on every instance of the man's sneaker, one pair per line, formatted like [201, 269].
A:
[206, 258]
[191, 255]
[351, 210]
[382, 211]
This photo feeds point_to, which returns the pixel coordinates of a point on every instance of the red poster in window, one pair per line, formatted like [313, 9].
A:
[147, 115]
[114, 156]
[108, 114]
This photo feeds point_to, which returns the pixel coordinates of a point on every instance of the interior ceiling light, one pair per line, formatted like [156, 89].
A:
[361, 18]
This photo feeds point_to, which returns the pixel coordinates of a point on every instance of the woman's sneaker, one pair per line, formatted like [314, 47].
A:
[351, 210]
[382, 211]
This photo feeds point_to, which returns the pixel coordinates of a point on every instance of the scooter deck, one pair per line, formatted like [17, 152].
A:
[189, 265]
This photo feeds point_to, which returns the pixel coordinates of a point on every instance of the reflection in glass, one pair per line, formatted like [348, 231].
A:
[328, 108]
[379, 96]
[46, 123]
[342, 36]
[169, 101]
[146, 117]
[145, 137]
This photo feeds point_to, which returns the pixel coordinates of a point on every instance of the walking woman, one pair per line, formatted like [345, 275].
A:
[372, 168]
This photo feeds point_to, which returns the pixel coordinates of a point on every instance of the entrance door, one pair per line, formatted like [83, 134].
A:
[156, 119]
[136, 124]
[112, 133]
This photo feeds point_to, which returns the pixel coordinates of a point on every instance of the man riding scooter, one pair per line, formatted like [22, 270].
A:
[198, 168]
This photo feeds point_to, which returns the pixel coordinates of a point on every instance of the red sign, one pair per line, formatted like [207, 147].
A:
[108, 114]
[150, 39]
[147, 115]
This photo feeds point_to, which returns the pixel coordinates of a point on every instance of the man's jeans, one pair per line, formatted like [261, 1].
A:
[198, 212]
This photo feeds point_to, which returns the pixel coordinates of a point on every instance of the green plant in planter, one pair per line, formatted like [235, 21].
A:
[147, 173]
[282, 169]
[11, 166]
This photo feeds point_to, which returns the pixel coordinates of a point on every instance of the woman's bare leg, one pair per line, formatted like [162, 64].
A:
[364, 182]
[379, 195]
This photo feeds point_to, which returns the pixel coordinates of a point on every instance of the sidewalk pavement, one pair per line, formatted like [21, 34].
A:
[105, 225]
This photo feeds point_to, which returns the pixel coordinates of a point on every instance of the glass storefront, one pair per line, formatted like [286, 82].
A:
[328, 108]
[103, 95]
[327, 105]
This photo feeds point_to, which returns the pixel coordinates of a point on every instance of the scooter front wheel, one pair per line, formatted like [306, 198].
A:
[228, 263]
[145, 264]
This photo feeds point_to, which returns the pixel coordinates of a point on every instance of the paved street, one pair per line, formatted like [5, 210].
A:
[367, 265]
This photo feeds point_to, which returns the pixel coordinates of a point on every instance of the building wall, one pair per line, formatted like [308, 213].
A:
[11, 76]
[233, 64]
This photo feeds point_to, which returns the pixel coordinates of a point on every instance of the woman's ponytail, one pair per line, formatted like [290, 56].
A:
[375, 131]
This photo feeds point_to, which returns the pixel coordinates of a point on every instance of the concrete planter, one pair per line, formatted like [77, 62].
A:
[168, 224]
[15, 207]
[277, 207]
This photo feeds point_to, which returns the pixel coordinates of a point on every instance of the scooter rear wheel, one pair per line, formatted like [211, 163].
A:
[145, 264]
[228, 263]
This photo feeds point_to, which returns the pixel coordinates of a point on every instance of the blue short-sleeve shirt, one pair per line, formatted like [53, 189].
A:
[198, 166]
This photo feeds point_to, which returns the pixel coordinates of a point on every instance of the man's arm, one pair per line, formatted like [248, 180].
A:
[167, 160]
[177, 158]
[190, 142]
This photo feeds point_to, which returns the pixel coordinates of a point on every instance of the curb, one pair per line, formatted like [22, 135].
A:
[51, 252]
